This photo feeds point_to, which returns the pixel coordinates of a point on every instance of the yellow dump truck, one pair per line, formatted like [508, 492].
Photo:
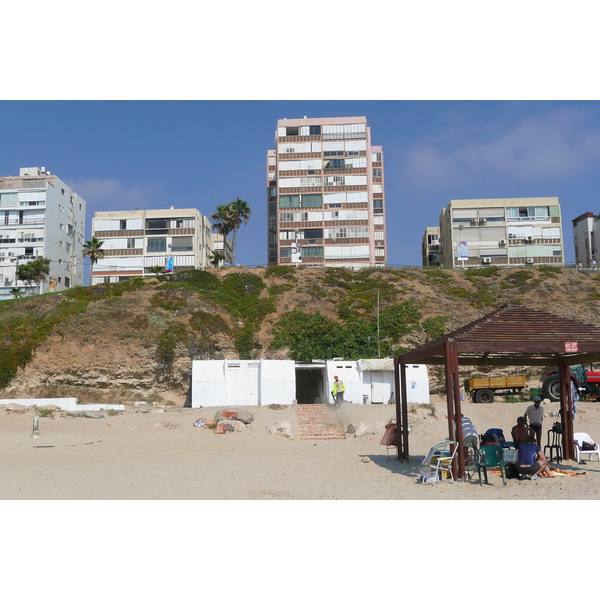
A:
[482, 389]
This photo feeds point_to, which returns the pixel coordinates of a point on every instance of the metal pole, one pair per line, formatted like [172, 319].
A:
[378, 345]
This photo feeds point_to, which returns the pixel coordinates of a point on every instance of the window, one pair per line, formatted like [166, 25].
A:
[315, 130]
[289, 201]
[335, 163]
[377, 172]
[312, 201]
[67, 282]
[131, 243]
[123, 224]
[68, 246]
[334, 153]
[157, 245]
[291, 131]
[312, 250]
[183, 244]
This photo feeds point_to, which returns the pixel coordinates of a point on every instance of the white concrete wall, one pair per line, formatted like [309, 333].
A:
[63, 403]
[242, 382]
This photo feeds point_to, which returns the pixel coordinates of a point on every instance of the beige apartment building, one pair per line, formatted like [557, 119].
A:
[502, 232]
[140, 242]
[430, 247]
[325, 194]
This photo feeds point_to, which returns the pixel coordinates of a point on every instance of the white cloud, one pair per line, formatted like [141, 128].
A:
[110, 194]
[560, 143]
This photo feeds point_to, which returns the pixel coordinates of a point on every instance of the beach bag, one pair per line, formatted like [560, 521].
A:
[588, 446]
[489, 438]
[512, 471]
[557, 427]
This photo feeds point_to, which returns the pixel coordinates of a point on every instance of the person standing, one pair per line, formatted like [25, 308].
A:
[338, 390]
[594, 265]
[579, 266]
[534, 415]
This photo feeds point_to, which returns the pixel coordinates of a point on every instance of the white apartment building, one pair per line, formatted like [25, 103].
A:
[502, 232]
[40, 217]
[430, 247]
[586, 228]
[325, 194]
[138, 242]
[223, 245]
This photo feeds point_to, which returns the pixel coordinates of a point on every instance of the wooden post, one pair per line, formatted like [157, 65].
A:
[36, 426]
[450, 402]
[400, 454]
[404, 392]
[566, 414]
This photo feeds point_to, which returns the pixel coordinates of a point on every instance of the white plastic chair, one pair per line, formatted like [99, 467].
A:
[584, 437]
[438, 461]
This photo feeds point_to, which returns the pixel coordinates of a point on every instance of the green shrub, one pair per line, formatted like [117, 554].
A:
[284, 271]
[168, 301]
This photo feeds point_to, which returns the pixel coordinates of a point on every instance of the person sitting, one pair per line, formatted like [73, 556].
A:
[531, 460]
[520, 432]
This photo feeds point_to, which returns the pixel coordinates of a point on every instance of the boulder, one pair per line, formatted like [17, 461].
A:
[244, 416]
[91, 415]
[240, 415]
[18, 408]
[239, 426]
[357, 429]
[280, 428]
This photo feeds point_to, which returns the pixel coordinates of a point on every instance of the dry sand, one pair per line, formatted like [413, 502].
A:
[161, 456]
[302, 549]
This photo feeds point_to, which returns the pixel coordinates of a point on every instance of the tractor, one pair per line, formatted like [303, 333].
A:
[587, 382]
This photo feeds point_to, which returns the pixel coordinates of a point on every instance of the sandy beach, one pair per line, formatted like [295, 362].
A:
[148, 453]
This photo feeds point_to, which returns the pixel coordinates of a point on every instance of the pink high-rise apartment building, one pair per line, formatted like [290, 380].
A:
[325, 194]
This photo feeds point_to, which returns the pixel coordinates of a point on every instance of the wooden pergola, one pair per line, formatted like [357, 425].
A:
[511, 336]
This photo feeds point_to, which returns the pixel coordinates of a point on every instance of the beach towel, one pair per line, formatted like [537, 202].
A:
[556, 472]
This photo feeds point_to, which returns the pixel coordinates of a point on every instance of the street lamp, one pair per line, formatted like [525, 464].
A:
[378, 330]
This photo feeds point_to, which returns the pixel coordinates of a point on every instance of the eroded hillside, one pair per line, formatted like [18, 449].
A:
[136, 339]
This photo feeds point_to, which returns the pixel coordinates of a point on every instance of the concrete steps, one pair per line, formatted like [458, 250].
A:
[317, 422]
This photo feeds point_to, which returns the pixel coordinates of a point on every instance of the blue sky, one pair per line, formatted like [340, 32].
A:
[198, 154]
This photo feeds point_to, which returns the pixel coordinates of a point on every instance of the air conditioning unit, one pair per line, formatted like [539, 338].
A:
[482, 220]
[529, 238]
[474, 220]
[502, 242]
[486, 260]
[529, 261]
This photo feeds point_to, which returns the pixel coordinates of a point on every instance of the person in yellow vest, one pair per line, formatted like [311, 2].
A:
[338, 390]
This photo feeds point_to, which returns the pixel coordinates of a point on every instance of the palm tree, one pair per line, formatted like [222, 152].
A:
[222, 221]
[239, 214]
[216, 258]
[92, 249]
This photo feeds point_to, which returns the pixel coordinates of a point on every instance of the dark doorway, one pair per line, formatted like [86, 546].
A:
[309, 386]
